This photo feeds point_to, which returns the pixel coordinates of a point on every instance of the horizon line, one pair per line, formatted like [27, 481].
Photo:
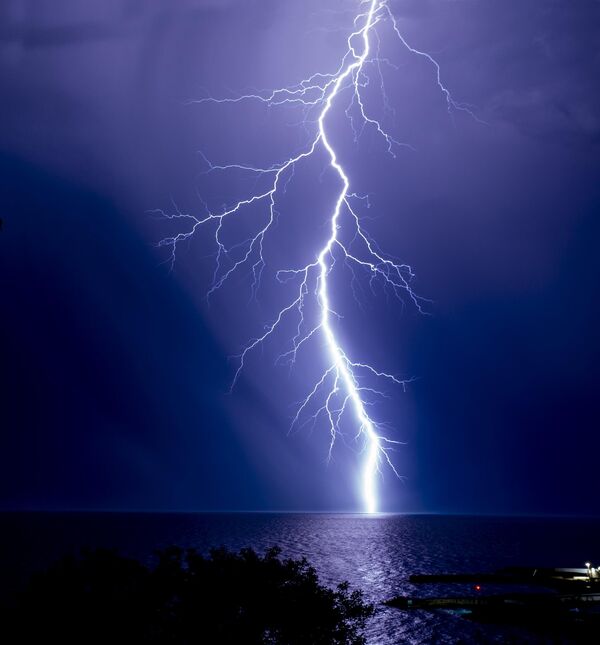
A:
[380, 514]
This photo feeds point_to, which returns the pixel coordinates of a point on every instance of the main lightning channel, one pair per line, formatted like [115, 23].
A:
[343, 386]
[366, 426]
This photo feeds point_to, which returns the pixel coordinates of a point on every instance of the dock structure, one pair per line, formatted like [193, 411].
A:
[558, 594]
[544, 577]
[497, 601]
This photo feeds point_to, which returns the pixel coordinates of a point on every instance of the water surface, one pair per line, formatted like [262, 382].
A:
[374, 553]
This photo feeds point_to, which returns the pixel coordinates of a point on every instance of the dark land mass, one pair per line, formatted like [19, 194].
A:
[185, 598]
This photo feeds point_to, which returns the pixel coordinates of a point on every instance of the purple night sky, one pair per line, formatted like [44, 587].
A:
[116, 370]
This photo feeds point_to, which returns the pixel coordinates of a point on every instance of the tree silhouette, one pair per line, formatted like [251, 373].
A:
[187, 598]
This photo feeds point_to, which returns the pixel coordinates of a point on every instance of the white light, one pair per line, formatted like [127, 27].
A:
[339, 360]
[320, 91]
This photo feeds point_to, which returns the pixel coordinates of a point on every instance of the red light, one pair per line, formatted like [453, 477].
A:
[477, 587]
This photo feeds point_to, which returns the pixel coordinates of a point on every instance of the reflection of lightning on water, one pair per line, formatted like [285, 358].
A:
[343, 389]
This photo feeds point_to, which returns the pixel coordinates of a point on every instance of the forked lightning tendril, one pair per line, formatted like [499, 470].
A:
[343, 389]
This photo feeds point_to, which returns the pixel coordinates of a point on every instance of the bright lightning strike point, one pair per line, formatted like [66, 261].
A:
[341, 387]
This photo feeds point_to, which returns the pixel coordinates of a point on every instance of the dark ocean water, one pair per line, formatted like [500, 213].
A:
[375, 554]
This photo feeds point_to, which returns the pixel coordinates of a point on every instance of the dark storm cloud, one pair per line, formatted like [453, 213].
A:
[117, 370]
[553, 92]
[40, 37]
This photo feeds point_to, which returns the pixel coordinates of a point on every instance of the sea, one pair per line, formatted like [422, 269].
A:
[376, 554]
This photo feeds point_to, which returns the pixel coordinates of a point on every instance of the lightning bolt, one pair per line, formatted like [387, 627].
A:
[343, 388]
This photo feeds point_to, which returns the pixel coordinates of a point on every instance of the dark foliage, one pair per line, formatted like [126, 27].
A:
[187, 598]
